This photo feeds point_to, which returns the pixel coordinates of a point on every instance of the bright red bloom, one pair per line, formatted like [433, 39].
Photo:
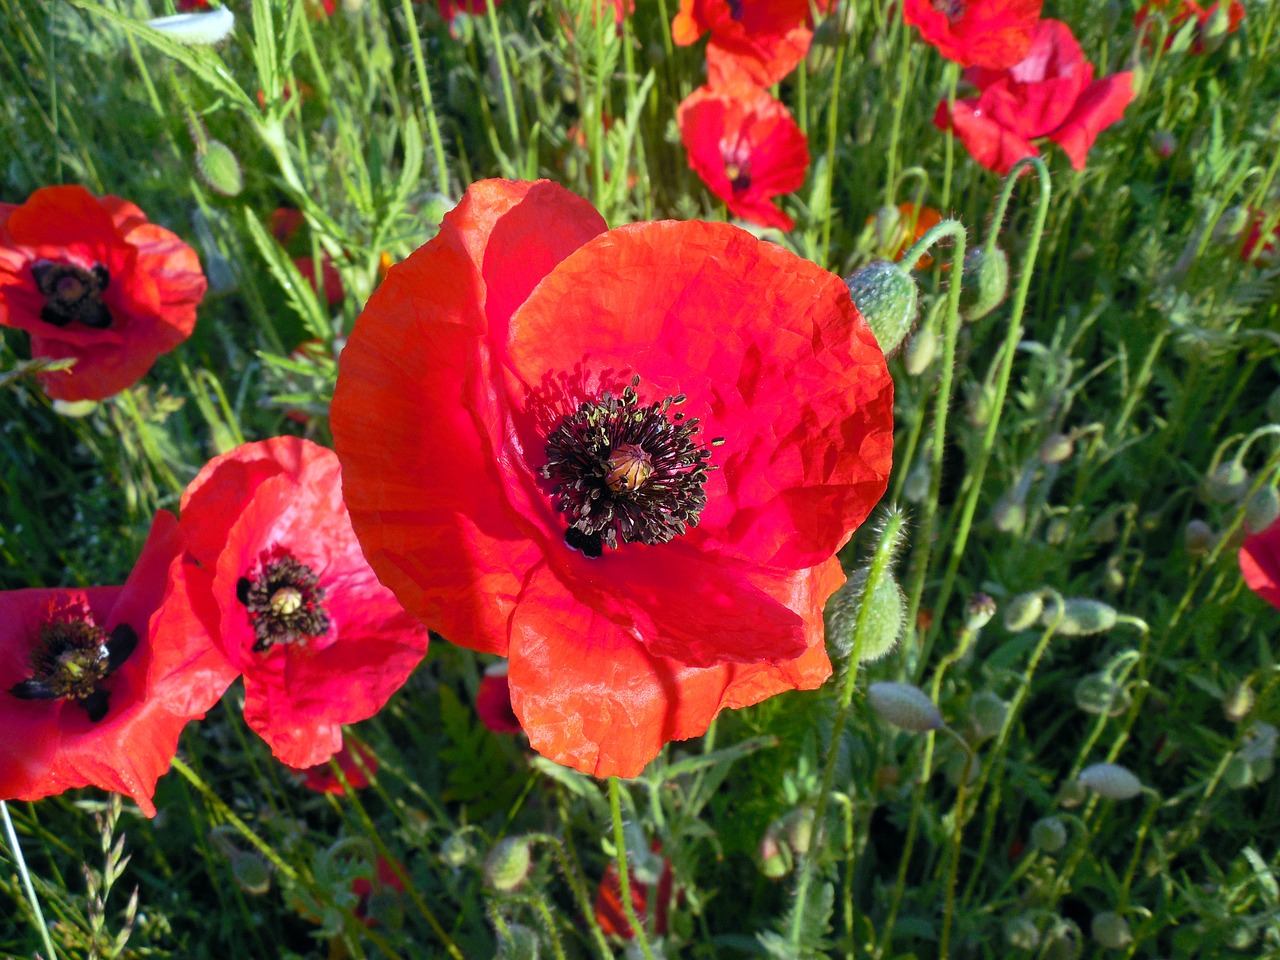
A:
[1180, 11]
[911, 227]
[1260, 563]
[451, 8]
[976, 33]
[96, 684]
[488, 394]
[282, 585]
[1258, 249]
[285, 223]
[91, 279]
[753, 41]
[385, 881]
[611, 914]
[1050, 94]
[493, 701]
[187, 6]
[332, 289]
[746, 148]
[356, 763]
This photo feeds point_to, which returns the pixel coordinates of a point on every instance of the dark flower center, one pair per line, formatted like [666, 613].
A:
[953, 10]
[283, 599]
[735, 9]
[72, 293]
[739, 175]
[623, 472]
[70, 660]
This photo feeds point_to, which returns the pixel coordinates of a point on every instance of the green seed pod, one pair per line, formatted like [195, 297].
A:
[1080, 617]
[776, 858]
[1021, 933]
[886, 295]
[904, 706]
[1262, 509]
[799, 830]
[1071, 794]
[1049, 834]
[1009, 514]
[920, 351]
[456, 850]
[985, 282]
[987, 713]
[1233, 222]
[518, 942]
[1057, 448]
[1111, 930]
[219, 168]
[1023, 611]
[1111, 780]
[251, 873]
[508, 864]
[1228, 483]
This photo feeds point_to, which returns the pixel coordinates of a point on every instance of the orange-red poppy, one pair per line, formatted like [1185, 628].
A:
[911, 226]
[976, 33]
[91, 279]
[747, 149]
[609, 911]
[97, 683]
[1051, 94]
[1260, 563]
[757, 42]
[356, 764]
[1180, 11]
[493, 700]
[279, 581]
[623, 458]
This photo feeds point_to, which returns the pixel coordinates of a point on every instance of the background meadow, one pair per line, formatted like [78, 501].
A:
[1102, 437]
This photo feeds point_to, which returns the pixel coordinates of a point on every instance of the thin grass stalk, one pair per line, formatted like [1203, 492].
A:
[428, 102]
[20, 862]
[624, 874]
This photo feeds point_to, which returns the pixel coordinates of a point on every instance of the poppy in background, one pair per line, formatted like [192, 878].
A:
[493, 700]
[976, 33]
[322, 778]
[97, 683]
[747, 149]
[609, 911]
[1179, 12]
[280, 582]
[1260, 563]
[750, 41]
[1051, 94]
[911, 225]
[552, 452]
[331, 289]
[89, 278]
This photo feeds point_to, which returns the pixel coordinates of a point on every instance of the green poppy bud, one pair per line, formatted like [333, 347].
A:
[886, 295]
[251, 873]
[1198, 538]
[508, 864]
[920, 351]
[776, 858]
[985, 281]
[1021, 933]
[1063, 941]
[1080, 617]
[1111, 780]
[1228, 483]
[904, 706]
[518, 942]
[1023, 611]
[978, 611]
[219, 168]
[456, 851]
[987, 713]
[886, 613]
[1262, 509]
[1057, 448]
[1049, 834]
[1111, 930]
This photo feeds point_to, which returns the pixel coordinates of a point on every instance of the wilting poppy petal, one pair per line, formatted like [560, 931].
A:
[91, 279]
[145, 667]
[546, 478]
[320, 642]
[747, 149]
[1102, 104]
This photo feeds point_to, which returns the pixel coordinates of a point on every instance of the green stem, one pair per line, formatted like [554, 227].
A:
[428, 103]
[508, 96]
[880, 562]
[624, 874]
[953, 866]
[16, 849]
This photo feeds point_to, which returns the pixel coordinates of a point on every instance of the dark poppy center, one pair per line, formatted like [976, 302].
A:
[283, 597]
[72, 294]
[953, 10]
[70, 661]
[625, 473]
[735, 9]
[739, 175]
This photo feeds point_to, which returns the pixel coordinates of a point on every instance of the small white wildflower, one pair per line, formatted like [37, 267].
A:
[196, 29]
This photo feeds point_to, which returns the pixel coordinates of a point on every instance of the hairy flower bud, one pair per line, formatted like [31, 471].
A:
[1163, 144]
[456, 850]
[1009, 514]
[1262, 509]
[1228, 483]
[1080, 617]
[886, 614]
[1057, 448]
[251, 872]
[904, 706]
[985, 282]
[1111, 930]
[219, 167]
[508, 864]
[978, 611]
[987, 713]
[886, 295]
[1023, 611]
[776, 858]
[1049, 834]
[1111, 780]
[1021, 933]
[920, 351]
[1062, 941]
[1198, 537]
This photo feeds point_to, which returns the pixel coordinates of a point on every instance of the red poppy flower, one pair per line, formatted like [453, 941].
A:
[285, 223]
[1260, 563]
[1180, 11]
[91, 279]
[332, 289]
[1050, 94]
[746, 148]
[451, 8]
[757, 42]
[187, 6]
[282, 585]
[322, 778]
[493, 700]
[528, 415]
[384, 882]
[97, 683]
[976, 33]
[1259, 249]
[911, 226]
[611, 914]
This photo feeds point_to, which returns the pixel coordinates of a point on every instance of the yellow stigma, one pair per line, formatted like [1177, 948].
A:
[629, 467]
[286, 600]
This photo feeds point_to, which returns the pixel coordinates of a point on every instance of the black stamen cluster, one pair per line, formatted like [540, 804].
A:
[72, 293]
[70, 661]
[283, 600]
[664, 505]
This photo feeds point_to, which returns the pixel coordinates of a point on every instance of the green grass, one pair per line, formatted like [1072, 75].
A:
[1139, 334]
